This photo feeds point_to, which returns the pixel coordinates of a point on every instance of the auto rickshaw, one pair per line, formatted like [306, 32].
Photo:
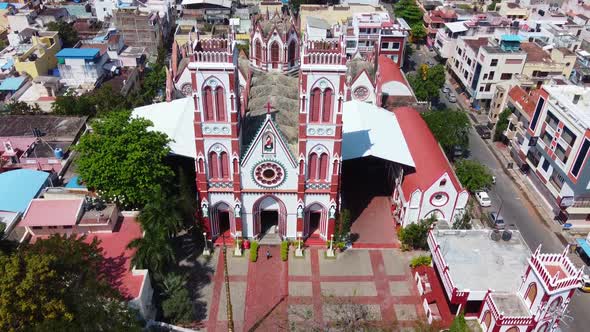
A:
[585, 284]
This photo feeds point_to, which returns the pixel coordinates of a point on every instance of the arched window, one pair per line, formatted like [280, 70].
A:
[201, 166]
[327, 109]
[312, 172]
[258, 51]
[220, 103]
[315, 105]
[512, 329]
[274, 54]
[487, 319]
[213, 166]
[208, 104]
[323, 166]
[531, 293]
[291, 52]
[335, 167]
[224, 165]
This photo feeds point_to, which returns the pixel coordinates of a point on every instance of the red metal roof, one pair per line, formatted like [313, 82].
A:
[430, 161]
[115, 250]
[52, 212]
[525, 100]
[389, 71]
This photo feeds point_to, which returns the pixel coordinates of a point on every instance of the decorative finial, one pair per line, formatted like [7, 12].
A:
[268, 107]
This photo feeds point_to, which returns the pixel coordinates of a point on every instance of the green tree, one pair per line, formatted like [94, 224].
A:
[67, 33]
[473, 175]
[154, 252]
[22, 108]
[428, 82]
[450, 128]
[73, 105]
[123, 160]
[502, 124]
[409, 11]
[177, 306]
[161, 215]
[415, 235]
[418, 33]
[459, 324]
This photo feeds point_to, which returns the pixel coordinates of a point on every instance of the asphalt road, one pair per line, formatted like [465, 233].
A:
[516, 210]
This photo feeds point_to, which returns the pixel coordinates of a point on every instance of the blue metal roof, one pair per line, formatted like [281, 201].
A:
[73, 183]
[4, 5]
[78, 53]
[12, 83]
[584, 245]
[8, 65]
[511, 38]
[19, 187]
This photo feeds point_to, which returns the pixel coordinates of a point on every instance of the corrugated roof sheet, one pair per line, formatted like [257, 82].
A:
[81, 53]
[12, 83]
[19, 187]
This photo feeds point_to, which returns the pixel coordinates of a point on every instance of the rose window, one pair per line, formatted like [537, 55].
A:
[361, 93]
[269, 174]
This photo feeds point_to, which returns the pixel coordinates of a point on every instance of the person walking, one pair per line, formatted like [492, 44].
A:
[267, 254]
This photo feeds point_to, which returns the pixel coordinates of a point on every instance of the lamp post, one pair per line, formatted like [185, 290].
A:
[206, 251]
[330, 252]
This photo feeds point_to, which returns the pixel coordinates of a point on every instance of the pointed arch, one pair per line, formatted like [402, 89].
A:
[323, 171]
[219, 213]
[312, 166]
[531, 293]
[327, 106]
[258, 51]
[315, 99]
[487, 319]
[275, 54]
[282, 211]
[213, 165]
[315, 207]
[224, 165]
[220, 103]
[291, 53]
[208, 104]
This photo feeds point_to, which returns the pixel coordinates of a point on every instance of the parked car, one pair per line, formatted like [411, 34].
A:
[452, 99]
[446, 90]
[496, 220]
[483, 131]
[483, 198]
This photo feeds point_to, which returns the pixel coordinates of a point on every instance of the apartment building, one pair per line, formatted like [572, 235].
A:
[434, 20]
[480, 63]
[39, 58]
[581, 72]
[550, 135]
[139, 29]
[377, 33]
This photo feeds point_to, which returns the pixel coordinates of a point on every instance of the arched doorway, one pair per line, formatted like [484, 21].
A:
[222, 220]
[270, 216]
[291, 53]
[436, 214]
[257, 52]
[487, 320]
[274, 54]
[316, 221]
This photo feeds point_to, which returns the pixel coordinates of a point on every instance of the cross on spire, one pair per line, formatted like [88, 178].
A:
[268, 107]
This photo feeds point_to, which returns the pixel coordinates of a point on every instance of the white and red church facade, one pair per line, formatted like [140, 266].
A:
[267, 137]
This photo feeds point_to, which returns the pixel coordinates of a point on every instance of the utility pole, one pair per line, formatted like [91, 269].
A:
[230, 318]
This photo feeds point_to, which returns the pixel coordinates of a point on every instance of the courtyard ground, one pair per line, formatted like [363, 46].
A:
[311, 292]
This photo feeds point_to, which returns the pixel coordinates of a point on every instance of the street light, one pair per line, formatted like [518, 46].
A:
[206, 251]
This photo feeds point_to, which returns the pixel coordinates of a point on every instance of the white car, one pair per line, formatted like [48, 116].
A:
[483, 199]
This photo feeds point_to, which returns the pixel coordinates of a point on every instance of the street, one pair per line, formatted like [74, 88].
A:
[516, 210]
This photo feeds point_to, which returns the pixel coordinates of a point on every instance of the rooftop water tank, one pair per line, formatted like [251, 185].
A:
[58, 153]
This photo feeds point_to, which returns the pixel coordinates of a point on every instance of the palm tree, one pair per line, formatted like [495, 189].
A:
[161, 215]
[154, 252]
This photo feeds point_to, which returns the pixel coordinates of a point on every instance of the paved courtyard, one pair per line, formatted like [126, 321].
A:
[311, 292]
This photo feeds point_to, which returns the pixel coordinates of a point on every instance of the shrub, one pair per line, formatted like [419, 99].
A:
[422, 260]
[459, 324]
[415, 235]
[253, 251]
[284, 250]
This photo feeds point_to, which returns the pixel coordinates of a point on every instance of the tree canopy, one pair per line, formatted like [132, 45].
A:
[427, 82]
[67, 33]
[409, 11]
[415, 235]
[502, 124]
[473, 175]
[450, 128]
[418, 32]
[58, 284]
[123, 160]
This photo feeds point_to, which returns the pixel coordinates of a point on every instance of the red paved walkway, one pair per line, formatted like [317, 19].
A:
[375, 226]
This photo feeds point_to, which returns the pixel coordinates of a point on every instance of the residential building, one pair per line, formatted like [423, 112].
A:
[139, 29]
[209, 11]
[512, 10]
[40, 58]
[581, 71]
[480, 64]
[435, 19]
[336, 14]
[431, 188]
[81, 67]
[501, 282]
[42, 92]
[555, 147]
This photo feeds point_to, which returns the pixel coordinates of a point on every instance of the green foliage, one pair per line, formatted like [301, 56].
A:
[418, 32]
[415, 235]
[59, 284]
[3, 44]
[422, 260]
[67, 33]
[450, 128]
[123, 160]
[97, 102]
[343, 227]
[409, 11]
[254, 251]
[502, 124]
[427, 83]
[284, 250]
[154, 252]
[22, 108]
[473, 175]
[459, 324]
[177, 306]
[244, 46]
[160, 215]
[463, 222]
[492, 6]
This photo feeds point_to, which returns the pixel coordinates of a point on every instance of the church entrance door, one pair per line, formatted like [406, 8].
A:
[269, 221]
[314, 223]
[223, 222]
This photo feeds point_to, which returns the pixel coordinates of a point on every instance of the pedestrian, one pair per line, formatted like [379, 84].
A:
[267, 254]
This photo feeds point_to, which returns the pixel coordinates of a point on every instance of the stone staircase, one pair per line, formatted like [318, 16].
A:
[271, 238]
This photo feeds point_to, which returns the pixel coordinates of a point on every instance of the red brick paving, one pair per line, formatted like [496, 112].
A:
[267, 292]
[375, 226]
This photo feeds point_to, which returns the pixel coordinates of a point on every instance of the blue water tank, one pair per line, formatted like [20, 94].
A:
[58, 153]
